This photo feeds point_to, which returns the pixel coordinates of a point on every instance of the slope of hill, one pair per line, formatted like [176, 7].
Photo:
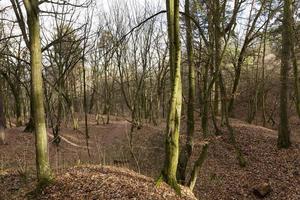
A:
[220, 178]
[103, 182]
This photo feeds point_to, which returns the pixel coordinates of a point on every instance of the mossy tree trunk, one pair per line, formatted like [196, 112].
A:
[284, 131]
[188, 148]
[41, 141]
[173, 122]
[197, 166]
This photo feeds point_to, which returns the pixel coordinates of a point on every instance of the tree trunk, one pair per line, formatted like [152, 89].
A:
[41, 140]
[174, 115]
[30, 125]
[187, 150]
[295, 70]
[263, 95]
[284, 132]
[237, 76]
[217, 52]
[18, 104]
[85, 107]
[2, 121]
[239, 155]
[198, 164]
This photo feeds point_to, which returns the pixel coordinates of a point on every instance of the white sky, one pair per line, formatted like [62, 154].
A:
[104, 6]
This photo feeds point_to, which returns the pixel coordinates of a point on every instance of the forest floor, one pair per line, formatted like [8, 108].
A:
[220, 178]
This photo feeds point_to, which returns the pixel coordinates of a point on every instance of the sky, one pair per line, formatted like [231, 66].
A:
[106, 6]
[102, 6]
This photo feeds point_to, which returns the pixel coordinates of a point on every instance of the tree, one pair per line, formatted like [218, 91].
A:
[284, 131]
[2, 121]
[174, 115]
[188, 148]
[295, 65]
[41, 140]
[13, 74]
[250, 35]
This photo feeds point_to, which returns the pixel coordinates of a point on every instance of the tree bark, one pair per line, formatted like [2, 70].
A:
[198, 164]
[174, 115]
[284, 132]
[2, 121]
[295, 69]
[188, 148]
[41, 140]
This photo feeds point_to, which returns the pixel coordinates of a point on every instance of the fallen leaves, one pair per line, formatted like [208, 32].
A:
[220, 178]
[109, 183]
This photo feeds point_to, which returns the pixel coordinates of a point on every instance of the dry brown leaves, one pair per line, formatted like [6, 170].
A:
[108, 183]
[220, 177]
